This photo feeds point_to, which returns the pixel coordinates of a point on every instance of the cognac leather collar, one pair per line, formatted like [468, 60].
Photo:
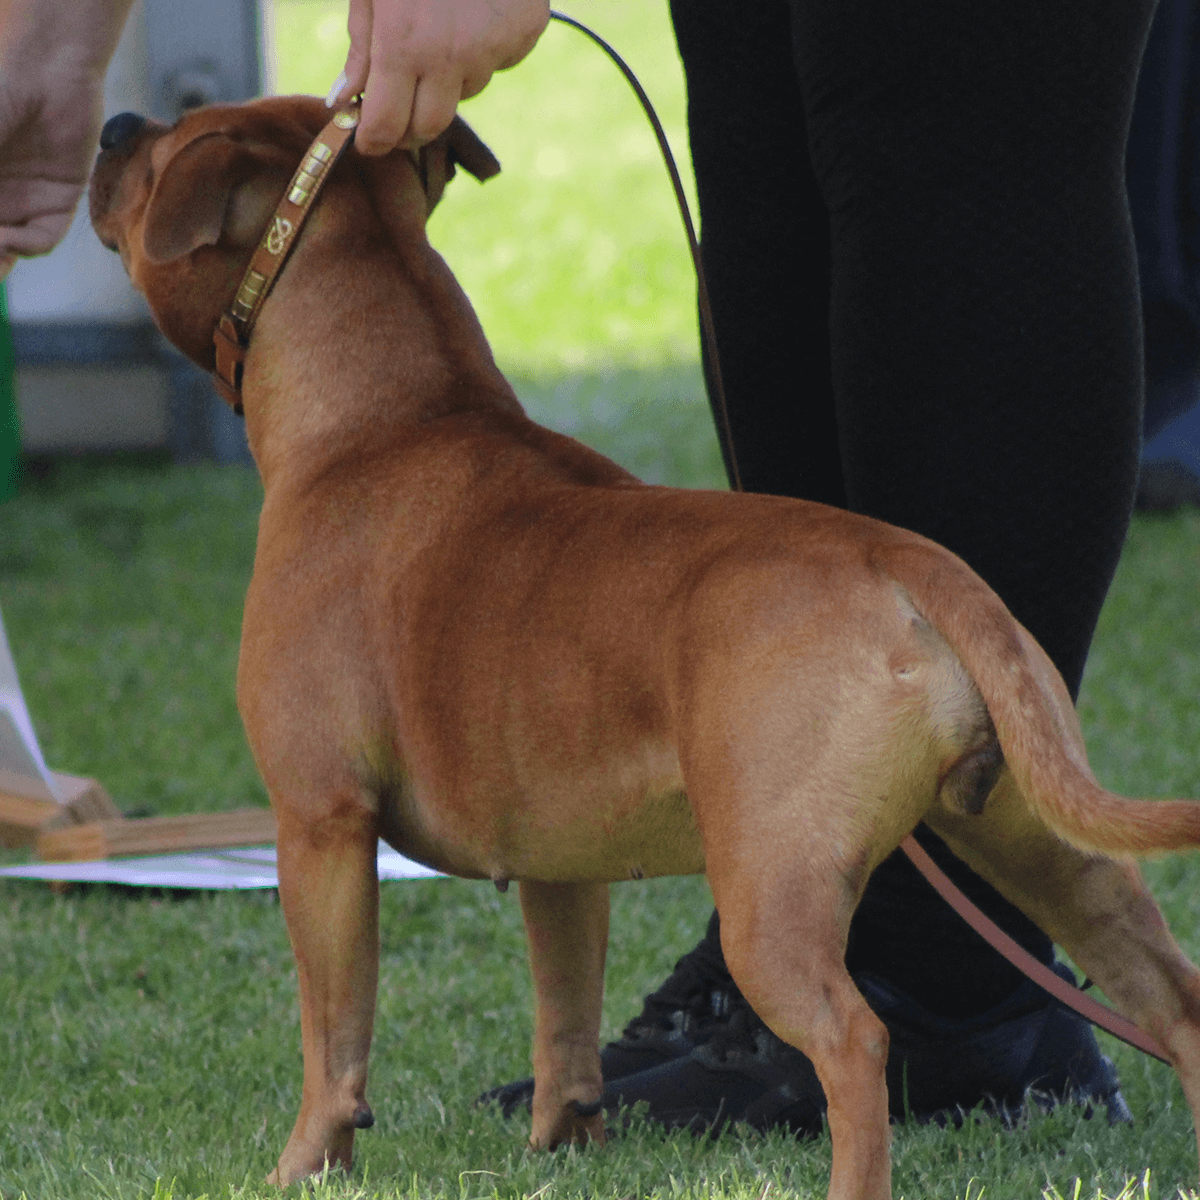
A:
[232, 334]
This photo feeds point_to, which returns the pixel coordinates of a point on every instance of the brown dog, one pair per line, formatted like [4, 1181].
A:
[504, 655]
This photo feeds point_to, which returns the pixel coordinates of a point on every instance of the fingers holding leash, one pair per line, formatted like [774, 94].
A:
[414, 60]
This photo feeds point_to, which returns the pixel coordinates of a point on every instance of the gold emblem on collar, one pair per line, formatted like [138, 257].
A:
[278, 235]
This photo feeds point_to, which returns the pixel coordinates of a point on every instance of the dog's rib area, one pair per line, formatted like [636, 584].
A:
[640, 825]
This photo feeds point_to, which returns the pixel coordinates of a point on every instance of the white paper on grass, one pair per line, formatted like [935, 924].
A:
[217, 870]
[22, 768]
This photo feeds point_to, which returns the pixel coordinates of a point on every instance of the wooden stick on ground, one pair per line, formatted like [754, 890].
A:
[157, 835]
[23, 815]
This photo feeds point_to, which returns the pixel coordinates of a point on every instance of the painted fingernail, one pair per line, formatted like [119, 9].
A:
[334, 92]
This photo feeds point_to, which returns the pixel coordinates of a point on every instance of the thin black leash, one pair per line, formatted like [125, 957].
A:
[1053, 984]
[709, 339]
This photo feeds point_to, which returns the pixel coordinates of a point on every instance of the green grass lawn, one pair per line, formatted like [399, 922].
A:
[153, 1042]
[150, 1046]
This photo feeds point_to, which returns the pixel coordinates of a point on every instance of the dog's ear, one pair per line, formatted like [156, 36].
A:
[469, 152]
[187, 205]
[458, 146]
[212, 185]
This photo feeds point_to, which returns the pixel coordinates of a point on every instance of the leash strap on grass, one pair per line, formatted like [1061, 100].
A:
[1000, 941]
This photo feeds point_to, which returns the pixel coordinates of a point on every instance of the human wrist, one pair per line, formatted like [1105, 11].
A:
[69, 38]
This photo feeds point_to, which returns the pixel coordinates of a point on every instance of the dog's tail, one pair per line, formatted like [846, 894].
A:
[1032, 712]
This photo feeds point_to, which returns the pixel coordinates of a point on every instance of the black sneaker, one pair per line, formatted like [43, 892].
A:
[1029, 1047]
[695, 1001]
[743, 1073]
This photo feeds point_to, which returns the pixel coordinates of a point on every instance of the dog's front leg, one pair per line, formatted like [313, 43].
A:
[567, 928]
[329, 888]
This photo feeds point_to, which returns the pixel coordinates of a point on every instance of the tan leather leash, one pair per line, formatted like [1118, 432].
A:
[1020, 958]
[232, 334]
[1073, 997]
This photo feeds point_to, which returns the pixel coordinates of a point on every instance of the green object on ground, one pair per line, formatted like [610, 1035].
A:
[10, 425]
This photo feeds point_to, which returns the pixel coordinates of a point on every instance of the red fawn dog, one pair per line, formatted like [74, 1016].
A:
[498, 651]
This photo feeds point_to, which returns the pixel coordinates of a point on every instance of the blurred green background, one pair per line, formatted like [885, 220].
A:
[574, 256]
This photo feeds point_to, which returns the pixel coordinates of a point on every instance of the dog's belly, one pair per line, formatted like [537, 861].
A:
[610, 841]
[608, 826]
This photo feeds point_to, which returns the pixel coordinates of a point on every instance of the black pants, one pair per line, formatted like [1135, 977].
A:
[916, 235]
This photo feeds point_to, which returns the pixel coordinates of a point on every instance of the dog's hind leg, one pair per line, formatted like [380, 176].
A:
[788, 856]
[1099, 910]
[567, 928]
[802, 783]
[783, 933]
[329, 889]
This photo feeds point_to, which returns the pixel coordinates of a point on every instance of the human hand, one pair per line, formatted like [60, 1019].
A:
[53, 55]
[414, 60]
[47, 140]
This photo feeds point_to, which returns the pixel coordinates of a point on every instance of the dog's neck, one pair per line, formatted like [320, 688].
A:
[402, 343]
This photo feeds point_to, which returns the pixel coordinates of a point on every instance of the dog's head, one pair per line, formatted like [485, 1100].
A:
[185, 205]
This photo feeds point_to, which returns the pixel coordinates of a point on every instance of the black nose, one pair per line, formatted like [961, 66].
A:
[119, 129]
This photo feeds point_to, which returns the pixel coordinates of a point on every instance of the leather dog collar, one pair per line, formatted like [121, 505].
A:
[232, 334]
